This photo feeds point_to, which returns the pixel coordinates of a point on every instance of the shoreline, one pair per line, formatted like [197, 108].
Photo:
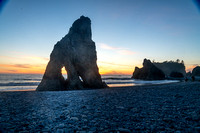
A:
[155, 108]
[113, 87]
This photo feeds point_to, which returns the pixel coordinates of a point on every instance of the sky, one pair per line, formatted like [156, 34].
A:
[124, 31]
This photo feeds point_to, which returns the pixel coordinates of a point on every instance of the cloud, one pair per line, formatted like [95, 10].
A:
[126, 52]
[22, 65]
[13, 71]
[105, 46]
[37, 58]
[16, 65]
[120, 50]
[116, 73]
[22, 68]
[115, 64]
[23, 59]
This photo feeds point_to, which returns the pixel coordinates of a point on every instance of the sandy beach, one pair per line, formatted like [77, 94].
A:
[170, 107]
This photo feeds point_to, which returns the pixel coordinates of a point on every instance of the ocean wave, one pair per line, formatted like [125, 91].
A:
[144, 82]
[20, 84]
[113, 78]
[29, 79]
[119, 82]
[21, 79]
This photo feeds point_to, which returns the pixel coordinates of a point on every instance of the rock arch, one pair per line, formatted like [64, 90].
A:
[77, 53]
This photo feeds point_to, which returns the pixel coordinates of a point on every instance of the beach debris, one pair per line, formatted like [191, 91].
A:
[74, 118]
[77, 53]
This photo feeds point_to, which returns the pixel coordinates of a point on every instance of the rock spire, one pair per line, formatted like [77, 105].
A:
[77, 53]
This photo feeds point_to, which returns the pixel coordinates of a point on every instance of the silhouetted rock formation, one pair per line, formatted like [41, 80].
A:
[176, 75]
[77, 53]
[188, 74]
[196, 71]
[170, 66]
[148, 72]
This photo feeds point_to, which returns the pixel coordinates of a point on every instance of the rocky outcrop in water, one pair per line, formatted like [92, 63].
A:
[148, 72]
[176, 75]
[196, 71]
[171, 66]
[77, 53]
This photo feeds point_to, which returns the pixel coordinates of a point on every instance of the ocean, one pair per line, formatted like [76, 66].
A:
[29, 82]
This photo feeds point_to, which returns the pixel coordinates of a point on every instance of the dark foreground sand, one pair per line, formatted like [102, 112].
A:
[171, 108]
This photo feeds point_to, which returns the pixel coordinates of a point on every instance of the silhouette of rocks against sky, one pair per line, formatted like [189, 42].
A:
[148, 72]
[77, 53]
[196, 71]
[171, 66]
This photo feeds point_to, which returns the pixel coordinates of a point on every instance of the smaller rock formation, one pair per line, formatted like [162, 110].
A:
[148, 72]
[188, 74]
[196, 71]
[171, 66]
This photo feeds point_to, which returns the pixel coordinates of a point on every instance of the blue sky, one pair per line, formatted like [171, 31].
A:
[125, 31]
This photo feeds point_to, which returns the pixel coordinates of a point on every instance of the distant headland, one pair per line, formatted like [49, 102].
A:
[165, 70]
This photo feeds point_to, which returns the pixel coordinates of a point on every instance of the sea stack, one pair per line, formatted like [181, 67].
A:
[77, 53]
[148, 72]
[196, 71]
[171, 67]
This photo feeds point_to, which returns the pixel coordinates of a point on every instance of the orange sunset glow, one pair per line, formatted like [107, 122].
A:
[22, 63]
[40, 68]
[38, 65]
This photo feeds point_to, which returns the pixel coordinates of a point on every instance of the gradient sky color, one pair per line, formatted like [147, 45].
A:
[125, 32]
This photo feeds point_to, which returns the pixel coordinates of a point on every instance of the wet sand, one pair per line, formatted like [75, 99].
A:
[155, 108]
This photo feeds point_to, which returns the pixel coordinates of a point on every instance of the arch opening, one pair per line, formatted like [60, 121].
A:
[64, 72]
